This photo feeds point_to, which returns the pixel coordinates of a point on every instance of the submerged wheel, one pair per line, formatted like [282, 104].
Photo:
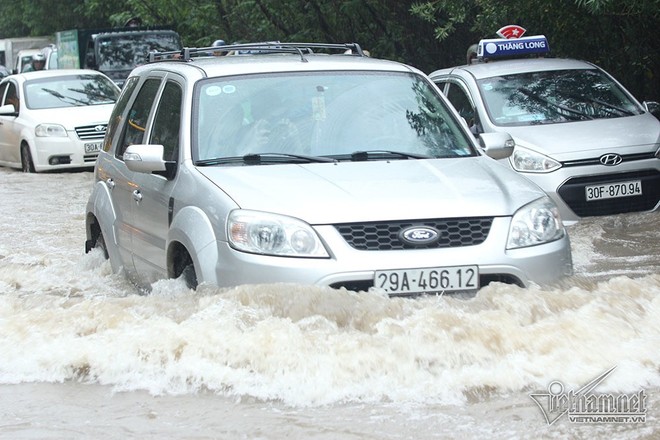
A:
[189, 276]
[99, 243]
[185, 269]
[27, 165]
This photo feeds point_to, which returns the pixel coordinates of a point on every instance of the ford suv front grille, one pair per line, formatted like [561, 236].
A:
[91, 132]
[385, 236]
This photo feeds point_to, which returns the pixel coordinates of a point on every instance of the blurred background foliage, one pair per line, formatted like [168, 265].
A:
[620, 36]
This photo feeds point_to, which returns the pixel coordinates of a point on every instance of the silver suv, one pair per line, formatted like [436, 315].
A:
[285, 162]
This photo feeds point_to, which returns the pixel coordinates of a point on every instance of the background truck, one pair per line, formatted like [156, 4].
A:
[114, 51]
[9, 48]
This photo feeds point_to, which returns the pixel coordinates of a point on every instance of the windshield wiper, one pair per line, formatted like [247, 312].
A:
[284, 157]
[57, 94]
[265, 158]
[358, 156]
[609, 108]
[552, 105]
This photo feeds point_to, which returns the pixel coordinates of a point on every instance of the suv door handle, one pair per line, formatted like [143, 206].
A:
[137, 195]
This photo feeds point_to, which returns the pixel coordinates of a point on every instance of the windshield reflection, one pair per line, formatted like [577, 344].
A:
[70, 91]
[554, 97]
[124, 52]
[325, 114]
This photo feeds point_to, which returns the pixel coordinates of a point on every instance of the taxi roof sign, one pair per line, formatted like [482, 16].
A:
[512, 47]
[511, 31]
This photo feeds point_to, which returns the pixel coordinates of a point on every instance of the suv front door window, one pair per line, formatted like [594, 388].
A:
[138, 115]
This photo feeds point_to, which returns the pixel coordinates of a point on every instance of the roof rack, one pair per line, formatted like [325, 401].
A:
[188, 53]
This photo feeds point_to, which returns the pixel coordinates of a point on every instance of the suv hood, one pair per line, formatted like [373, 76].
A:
[577, 140]
[377, 190]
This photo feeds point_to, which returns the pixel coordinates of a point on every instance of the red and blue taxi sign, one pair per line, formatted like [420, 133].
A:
[511, 31]
[512, 44]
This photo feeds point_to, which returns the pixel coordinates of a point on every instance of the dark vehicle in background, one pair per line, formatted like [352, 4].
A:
[115, 51]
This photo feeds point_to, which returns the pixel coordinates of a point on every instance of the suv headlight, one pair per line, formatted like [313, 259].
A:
[273, 234]
[535, 223]
[530, 161]
[50, 130]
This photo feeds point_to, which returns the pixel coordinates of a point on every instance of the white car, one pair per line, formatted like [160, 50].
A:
[54, 119]
[579, 134]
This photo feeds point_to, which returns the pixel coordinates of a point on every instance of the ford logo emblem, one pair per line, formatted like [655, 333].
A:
[419, 235]
[610, 159]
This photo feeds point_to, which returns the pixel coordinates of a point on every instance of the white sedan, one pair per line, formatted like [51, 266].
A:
[54, 119]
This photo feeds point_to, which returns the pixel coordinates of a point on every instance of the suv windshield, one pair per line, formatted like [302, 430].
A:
[554, 96]
[325, 114]
[70, 91]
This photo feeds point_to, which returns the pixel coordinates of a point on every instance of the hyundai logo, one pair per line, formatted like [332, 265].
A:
[100, 128]
[419, 235]
[610, 159]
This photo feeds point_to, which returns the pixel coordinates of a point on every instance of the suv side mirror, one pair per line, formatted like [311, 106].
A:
[497, 145]
[142, 158]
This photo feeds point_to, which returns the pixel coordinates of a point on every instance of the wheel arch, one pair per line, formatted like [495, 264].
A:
[100, 218]
[192, 234]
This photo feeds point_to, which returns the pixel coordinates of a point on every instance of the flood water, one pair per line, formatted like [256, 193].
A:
[84, 354]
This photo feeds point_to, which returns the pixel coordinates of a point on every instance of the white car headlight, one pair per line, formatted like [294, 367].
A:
[273, 234]
[535, 223]
[50, 130]
[530, 161]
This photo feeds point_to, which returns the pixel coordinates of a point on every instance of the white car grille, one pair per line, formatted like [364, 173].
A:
[91, 132]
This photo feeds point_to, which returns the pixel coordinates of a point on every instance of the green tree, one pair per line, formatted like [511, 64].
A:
[617, 35]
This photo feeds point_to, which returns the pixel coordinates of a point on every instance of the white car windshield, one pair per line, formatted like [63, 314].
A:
[325, 114]
[551, 97]
[69, 91]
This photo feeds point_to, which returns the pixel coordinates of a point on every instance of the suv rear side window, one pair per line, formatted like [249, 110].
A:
[116, 117]
[138, 115]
